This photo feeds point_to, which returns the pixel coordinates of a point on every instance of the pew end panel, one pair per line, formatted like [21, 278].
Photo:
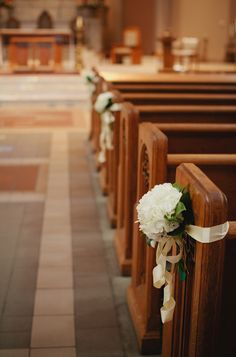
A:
[226, 342]
[111, 170]
[195, 327]
[126, 183]
[143, 299]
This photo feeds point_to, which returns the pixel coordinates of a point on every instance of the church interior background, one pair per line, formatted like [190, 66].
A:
[61, 291]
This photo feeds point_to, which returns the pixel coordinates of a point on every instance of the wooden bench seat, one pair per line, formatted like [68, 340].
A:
[156, 165]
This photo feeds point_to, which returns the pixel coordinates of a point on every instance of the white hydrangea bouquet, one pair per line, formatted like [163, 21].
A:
[105, 105]
[165, 211]
[166, 218]
[161, 212]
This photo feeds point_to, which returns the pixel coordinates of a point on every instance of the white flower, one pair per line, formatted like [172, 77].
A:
[102, 101]
[154, 206]
[89, 76]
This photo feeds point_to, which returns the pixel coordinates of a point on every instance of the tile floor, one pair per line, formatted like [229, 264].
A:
[61, 294]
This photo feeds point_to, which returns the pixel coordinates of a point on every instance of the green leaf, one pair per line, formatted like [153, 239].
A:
[188, 214]
[180, 207]
[177, 186]
[148, 241]
[109, 104]
[176, 216]
[181, 270]
[89, 79]
[170, 218]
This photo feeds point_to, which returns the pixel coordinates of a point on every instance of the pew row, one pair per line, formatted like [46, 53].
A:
[172, 82]
[144, 98]
[191, 90]
[182, 138]
[155, 166]
[162, 114]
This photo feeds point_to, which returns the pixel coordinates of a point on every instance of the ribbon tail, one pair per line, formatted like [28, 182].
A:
[168, 308]
[161, 276]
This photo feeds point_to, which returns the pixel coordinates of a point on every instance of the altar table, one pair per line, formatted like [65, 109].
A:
[33, 49]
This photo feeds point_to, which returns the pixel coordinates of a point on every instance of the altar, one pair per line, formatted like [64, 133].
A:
[34, 50]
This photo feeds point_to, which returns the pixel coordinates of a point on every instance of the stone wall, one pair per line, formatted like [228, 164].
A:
[62, 11]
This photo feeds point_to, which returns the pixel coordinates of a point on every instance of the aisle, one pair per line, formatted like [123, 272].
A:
[60, 290]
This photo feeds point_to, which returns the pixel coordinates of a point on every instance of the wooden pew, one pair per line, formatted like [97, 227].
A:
[204, 318]
[172, 82]
[149, 113]
[144, 98]
[151, 100]
[125, 195]
[156, 165]
[167, 89]
[188, 113]
[173, 88]
[161, 114]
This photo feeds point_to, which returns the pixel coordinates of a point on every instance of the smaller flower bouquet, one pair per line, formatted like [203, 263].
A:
[105, 105]
[90, 78]
[105, 102]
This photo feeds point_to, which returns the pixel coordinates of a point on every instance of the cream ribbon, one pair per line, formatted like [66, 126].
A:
[208, 234]
[161, 276]
[106, 135]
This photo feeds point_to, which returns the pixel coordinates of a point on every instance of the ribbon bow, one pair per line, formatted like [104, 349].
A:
[161, 276]
[106, 135]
